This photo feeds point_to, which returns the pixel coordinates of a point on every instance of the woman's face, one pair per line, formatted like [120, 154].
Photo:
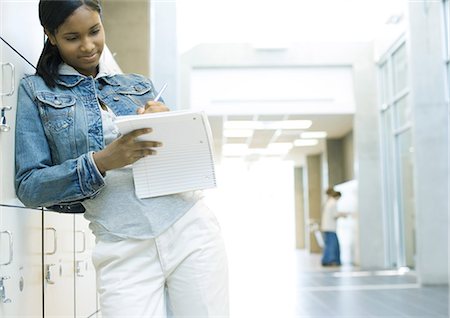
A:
[80, 40]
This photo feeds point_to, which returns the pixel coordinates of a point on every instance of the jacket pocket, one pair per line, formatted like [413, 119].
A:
[57, 110]
[138, 94]
[141, 88]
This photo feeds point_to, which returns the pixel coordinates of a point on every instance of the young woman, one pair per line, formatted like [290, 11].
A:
[331, 253]
[151, 254]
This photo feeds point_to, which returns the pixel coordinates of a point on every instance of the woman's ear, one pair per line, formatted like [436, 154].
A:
[51, 37]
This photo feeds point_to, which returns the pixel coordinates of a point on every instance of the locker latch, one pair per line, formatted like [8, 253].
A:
[4, 127]
[3, 298]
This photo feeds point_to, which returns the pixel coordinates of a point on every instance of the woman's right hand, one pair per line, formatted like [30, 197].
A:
[125, 150]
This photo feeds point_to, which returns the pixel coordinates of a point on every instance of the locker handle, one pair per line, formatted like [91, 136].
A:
[84, 242]
[13, 77]
[55, 247]
[11, 250]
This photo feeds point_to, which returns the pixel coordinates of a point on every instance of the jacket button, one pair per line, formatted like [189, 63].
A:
[57, 102]
[100, 86]
[116, 98]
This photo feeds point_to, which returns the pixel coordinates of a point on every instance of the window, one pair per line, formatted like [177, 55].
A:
[397, 156]
[446, 7]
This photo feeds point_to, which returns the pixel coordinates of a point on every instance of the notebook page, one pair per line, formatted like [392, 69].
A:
[184, 162]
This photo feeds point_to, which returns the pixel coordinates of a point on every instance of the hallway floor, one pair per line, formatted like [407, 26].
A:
[316, 292]
[347, 292]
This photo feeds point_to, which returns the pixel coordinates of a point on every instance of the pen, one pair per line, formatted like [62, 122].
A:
[158, 96]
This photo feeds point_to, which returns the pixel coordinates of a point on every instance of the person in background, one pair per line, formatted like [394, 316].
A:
[152, 256]
[331, 252]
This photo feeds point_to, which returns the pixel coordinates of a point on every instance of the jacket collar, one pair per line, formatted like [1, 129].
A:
[70, 77]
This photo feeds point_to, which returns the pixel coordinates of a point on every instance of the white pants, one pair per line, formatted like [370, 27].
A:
[187, 263]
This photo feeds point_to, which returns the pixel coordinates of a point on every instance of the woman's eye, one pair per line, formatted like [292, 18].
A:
[95, 31]
[71, 39]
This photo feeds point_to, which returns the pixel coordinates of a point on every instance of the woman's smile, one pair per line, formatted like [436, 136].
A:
[89, 58]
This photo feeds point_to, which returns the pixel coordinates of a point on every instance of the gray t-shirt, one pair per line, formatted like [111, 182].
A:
[116, 213]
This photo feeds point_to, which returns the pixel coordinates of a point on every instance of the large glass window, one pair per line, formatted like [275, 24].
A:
[384, 91]
[397, 153]
[406, 194]
[447, 37]
[402, 112]
[400, 69]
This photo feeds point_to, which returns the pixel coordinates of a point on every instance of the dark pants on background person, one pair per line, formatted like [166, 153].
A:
[331, 252]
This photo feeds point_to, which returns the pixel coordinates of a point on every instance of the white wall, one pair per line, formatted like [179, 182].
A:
[243, 90]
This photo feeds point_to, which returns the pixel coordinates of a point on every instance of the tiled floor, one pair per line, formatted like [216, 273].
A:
[352, 293]
[314, 292]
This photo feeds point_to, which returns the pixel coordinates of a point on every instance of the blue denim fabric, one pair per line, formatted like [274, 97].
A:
[331, 252]
[58, 129]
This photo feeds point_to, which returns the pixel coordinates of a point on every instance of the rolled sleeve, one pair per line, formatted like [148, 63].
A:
[91, 180]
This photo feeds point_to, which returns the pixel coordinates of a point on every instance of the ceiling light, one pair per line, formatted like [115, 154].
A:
[313, 134]
[294, 124]
[230, 133]
[305, 142]
[282, 124]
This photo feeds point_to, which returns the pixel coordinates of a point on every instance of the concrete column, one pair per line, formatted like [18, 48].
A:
[368, 164]
[336, 163]
[127, 26]
[430, 139]
[349, 155]
[300, 240]
[313, 164]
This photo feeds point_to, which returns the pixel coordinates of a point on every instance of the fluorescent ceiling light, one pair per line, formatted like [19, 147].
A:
[305, 142]
[230, 133]
[313, 134]
[282, 124]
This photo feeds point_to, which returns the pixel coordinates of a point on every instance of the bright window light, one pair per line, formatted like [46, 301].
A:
[233, 150]
[273, 149]
[313, 134]
[230, 133]
[305, 142]
[280, 146]
[239, 124]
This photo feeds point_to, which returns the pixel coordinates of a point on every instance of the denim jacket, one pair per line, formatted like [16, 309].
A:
[58, 130]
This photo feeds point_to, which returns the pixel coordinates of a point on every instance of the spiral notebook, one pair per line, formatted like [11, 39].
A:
[185, 160]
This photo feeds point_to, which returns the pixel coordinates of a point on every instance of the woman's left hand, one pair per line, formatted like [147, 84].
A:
[152, 107]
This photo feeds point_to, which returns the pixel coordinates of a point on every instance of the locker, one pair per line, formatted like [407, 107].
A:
[20, 229]
[45, 265]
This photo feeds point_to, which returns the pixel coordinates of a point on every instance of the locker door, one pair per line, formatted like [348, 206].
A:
[21, 263]
[85, 286]
[58, 265]
[20, 229]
